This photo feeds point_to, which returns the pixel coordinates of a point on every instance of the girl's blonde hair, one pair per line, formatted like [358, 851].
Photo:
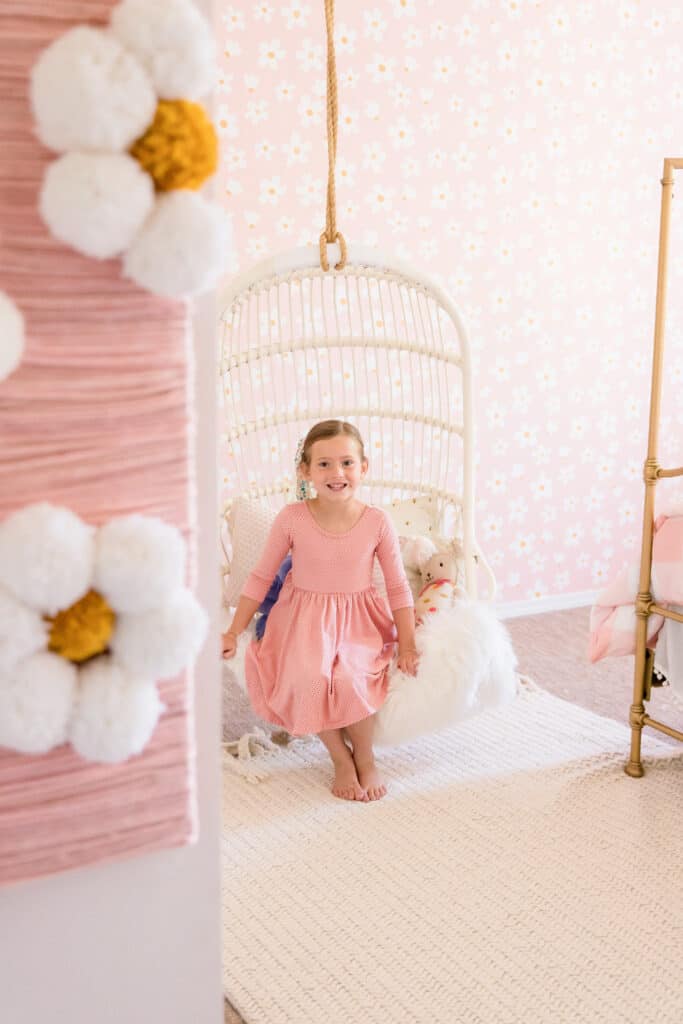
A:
[330, 428]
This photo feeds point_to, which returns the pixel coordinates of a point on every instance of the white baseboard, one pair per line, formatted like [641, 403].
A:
[537, 605]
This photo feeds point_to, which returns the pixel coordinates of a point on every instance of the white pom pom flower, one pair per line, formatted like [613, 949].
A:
[107, 607]
[12, 337]
[90, 93]
[182, 248]
[114, 714]
[96, 202]
[95, 93]
[139, 561]
[23, 630]
[157, 641]
[36, 702]
[46, 557]
[173, 42]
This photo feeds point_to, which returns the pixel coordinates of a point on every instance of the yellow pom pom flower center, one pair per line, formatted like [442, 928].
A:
[82, 630]
[180, 147]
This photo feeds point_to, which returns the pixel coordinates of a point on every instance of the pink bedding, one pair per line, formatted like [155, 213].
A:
[613, 618]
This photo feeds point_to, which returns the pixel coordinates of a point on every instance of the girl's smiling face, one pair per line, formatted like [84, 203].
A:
[335, 468]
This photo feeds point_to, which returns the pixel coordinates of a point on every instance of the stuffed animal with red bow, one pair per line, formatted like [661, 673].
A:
[440, 574]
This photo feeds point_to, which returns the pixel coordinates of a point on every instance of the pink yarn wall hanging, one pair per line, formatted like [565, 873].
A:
[95, 418]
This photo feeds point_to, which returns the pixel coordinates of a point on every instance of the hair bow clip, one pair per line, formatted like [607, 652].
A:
[302, 485]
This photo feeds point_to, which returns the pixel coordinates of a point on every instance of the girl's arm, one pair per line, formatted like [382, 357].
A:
[405, 627]
[244, 613]
[399, 595]
[258, 583]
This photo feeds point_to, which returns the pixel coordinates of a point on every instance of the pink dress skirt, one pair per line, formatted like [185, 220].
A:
[323, 660]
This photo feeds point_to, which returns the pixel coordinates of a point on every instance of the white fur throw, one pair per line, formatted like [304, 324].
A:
[467, 664]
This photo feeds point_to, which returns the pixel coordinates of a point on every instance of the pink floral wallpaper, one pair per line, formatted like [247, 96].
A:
[512, 150]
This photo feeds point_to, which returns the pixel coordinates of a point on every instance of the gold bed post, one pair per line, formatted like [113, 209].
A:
[634, 766]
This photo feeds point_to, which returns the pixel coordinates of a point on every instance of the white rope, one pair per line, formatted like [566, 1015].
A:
[239, 755]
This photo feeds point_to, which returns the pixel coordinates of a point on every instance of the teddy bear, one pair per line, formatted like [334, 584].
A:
[440, 575]
[434, 574]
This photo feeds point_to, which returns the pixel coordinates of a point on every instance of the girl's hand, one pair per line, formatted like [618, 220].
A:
[408, 662]
[229, 640]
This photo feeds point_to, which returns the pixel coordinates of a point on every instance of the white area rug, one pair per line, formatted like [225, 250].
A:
[513, 875]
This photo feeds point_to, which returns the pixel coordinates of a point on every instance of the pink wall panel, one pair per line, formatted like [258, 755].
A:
[95, 418]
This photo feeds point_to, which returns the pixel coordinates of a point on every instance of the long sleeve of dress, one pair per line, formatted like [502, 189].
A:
[276, 547]
[399, 593]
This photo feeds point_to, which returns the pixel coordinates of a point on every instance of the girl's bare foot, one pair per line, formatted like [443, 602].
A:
[370, 779]
[346, 785]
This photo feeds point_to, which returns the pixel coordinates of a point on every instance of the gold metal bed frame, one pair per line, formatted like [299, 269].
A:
[645, 605]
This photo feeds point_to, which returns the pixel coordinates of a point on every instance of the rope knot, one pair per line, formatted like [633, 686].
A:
[324, 242]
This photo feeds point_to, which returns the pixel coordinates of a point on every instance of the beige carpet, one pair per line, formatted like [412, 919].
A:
[500, 881]
[551, 649]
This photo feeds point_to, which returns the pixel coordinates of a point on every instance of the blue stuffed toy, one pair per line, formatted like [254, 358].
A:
[271, 597]
[276, 586]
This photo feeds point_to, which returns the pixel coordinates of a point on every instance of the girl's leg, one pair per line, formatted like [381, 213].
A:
[360, 735]
[346, 784]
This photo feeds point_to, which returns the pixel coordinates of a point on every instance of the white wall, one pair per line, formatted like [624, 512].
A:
[137, 942]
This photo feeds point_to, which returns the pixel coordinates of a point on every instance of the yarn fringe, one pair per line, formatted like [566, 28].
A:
[255, 753]
[527, 685]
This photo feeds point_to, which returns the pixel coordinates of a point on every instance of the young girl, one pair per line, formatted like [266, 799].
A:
[322, 663]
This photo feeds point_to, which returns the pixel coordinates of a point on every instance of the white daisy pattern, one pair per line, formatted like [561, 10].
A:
[502, 147]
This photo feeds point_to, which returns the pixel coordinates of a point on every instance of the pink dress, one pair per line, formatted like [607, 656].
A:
[322, 662]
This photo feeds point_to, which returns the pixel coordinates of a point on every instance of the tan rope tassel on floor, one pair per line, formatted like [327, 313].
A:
[330, 234]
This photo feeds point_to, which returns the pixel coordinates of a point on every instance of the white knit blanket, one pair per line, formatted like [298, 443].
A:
[513, 875]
